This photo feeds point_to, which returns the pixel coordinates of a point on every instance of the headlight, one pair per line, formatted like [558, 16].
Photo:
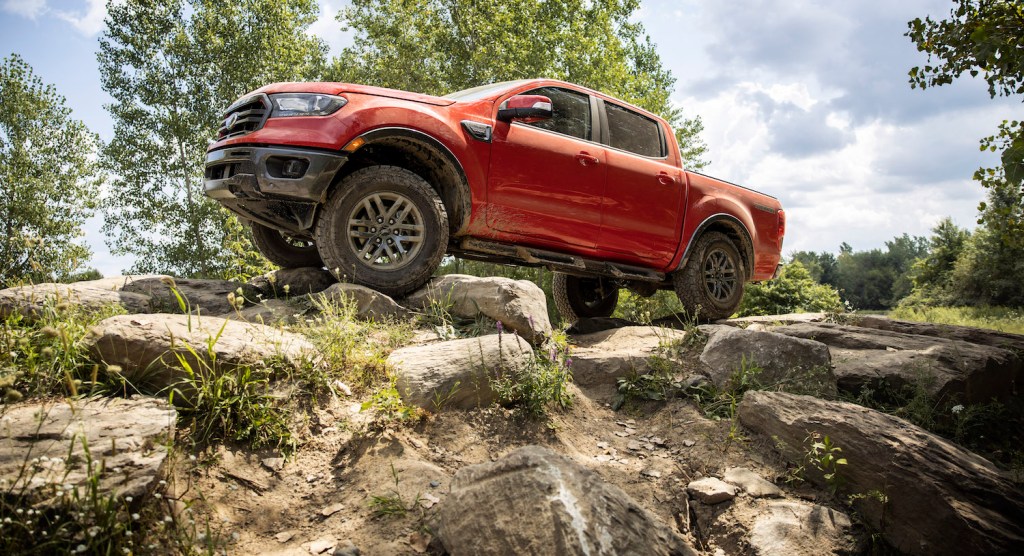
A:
[304, 104]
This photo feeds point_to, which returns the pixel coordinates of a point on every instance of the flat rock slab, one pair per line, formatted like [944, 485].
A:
[968, 334]
[126, 441]
[798, 528]
[710, 490]
[534, 501]
[941, 499]
[208, 297]
[145, 346]
[751, 483]
[369, 304]
[954, 369]
[293, 282]
[457, 374]
[795, 364]
[603, 357]
[788, 318]
[272, 312]
[92, 294]
[519, 305]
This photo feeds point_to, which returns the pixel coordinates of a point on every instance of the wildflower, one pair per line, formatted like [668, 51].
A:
[239, 292]
[168, 519]
[500, 327]
[135, 517]
[191, 457]
[957, 409]
[157, 495]
[93, 531]
[80, 548]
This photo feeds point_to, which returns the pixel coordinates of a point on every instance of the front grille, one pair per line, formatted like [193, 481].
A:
[226, 170]
[245, 116]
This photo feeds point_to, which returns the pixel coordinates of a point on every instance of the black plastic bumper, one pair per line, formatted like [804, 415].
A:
[276, 186]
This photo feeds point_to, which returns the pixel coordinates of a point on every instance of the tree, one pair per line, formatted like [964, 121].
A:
[48, 180]
[878, 279]
[171, 67]
[794, 291]
[821, 266]
[441, 46]
[983, 37]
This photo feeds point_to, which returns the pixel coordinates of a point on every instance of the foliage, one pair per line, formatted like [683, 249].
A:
[988, 271]
[441, 46]
[792, 292]
[49, 181]
[820, 266]
[932, 274]
[540, 385]
[823, 455]
[637, 308]
[996, 318]
[171, 66]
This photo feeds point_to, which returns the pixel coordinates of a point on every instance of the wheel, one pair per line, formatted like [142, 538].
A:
[581, 298]
[284, 250]
[383, 227]
[711, 284]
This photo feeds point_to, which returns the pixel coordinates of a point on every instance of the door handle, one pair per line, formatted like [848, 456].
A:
[665, 179]
[586, 158]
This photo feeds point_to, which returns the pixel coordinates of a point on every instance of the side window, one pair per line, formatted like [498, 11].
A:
[571, 112]
[633, 132]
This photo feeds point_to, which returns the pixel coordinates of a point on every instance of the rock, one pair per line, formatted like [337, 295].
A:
[789, 318]
[602, 357]
[795, 364]
[126, 440]
[597, 324]
[346, 548]
[369, 304]
[271, 312]
[534, 501]
[457, 374]
[953, 369]
[710, 490]
[966, 334]
[209, 297]
[941, 499]
[519, 305]
[321, 545]
[93, 294]
[332, 509]
[293, 282]
[799, 529]
[284, 536]
[751, 483]
[144, 346]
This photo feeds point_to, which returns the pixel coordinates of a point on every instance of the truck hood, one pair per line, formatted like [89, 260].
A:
[331, 88]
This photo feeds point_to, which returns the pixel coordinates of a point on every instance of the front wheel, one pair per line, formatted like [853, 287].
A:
[710, 286]
[284, 250]
[581, 298]
[383, 227]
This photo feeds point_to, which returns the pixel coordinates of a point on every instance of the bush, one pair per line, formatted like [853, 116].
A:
[792, 292]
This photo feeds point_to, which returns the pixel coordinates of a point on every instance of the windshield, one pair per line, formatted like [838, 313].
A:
[483, 91]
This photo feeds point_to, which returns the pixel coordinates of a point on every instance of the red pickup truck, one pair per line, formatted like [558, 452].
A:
[379, 185]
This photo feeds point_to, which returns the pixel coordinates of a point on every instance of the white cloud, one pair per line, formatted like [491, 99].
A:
[329, 29]
[25, 8]
[89, 22]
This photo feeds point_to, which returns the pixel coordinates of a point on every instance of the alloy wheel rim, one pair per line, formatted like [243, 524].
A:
[719, 275]
[385, 231]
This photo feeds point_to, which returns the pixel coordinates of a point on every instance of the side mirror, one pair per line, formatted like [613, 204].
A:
[532, 108]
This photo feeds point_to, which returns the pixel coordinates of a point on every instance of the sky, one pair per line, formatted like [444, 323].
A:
[805, 100]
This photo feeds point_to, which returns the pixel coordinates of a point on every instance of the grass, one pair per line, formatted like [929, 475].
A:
[1003, 319]
[542, 384]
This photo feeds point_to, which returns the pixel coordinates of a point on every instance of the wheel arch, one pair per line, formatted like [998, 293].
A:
[734, 229]
[421, 154]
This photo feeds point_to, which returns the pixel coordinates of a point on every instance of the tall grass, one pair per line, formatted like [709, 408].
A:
[1003, 319]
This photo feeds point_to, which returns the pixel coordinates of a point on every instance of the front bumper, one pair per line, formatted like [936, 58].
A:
[278, 187]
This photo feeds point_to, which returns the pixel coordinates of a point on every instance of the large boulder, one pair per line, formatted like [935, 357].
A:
[603, 357]
[208, 297]
[968, 334]
[272, 312]
[147, 347]
[293, 282]
[457, 374]
[792, 363]
[46, 447]
[519, 305]
[369, 304]
[91, 294]
[534, 501]
[876, 358]
[941, 499]
[774, 320]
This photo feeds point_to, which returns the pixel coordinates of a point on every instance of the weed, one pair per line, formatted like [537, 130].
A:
[824, 455]
[392, 504]
[1003, 319]
[540, 384]
[387, 406]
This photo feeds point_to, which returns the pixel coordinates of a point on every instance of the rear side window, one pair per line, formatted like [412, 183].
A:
[571, 112]
[633, 132]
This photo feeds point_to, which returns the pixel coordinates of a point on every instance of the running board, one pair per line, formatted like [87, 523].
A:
[478, 249]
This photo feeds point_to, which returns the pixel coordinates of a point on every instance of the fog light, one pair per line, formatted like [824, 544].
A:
[294, 168]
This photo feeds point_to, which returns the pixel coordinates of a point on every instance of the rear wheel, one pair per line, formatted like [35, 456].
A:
[284, 250]
[384, 227]
[711, 284]
[583, 297]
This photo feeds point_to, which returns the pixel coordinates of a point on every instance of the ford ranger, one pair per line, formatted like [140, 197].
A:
[379, 185]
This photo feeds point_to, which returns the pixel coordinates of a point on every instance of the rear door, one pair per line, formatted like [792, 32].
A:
[547, 178]
[642, 213]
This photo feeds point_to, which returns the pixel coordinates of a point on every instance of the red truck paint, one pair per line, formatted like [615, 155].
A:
[629, 217]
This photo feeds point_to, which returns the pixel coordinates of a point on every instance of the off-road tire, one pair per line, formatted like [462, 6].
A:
[284, 251]
[710, 286]
[581, 298]
[363, 197]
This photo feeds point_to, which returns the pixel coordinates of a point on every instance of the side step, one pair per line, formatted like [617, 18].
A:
[491, 251]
